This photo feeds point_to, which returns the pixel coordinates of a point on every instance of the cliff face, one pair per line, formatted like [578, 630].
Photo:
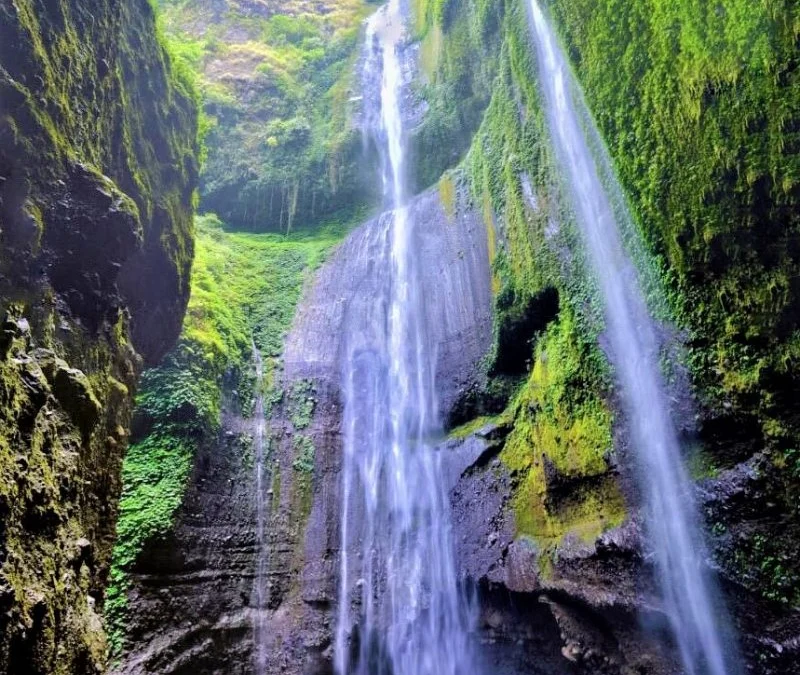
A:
[194, 598]
[546, 509]
[97, 171]
[714, 192]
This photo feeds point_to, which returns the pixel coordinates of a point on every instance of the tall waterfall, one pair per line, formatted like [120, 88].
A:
[396, 554]
[262, 509]
[697, 620]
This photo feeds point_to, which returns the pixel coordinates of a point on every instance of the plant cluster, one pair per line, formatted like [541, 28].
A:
[276, 91]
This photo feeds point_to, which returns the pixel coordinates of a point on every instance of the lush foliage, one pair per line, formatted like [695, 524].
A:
[98, 165]
[458, 65]
[244, 293]
[699, 105]
[546, 311]
[710, 155]
[276, 87]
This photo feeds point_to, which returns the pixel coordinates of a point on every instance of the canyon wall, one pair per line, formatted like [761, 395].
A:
[98, 148]
[546, 510]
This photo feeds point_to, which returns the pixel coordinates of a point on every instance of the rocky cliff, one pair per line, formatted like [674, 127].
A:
[97, 169]
[708, 186]
[194, 600]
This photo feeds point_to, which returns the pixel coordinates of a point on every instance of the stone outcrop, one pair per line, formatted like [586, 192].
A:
[601, 594]
[97, 169]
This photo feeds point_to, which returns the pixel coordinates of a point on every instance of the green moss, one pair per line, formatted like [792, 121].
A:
[301, 404]
[709, 157]
[459, 62]
[562, 434]
[698, 106]
[447, 194]
[561, 421]
[98, 145]
[469, 428]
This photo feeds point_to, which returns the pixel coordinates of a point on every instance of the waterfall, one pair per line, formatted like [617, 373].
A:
[689, 594]
[409, 614]
[260, 582]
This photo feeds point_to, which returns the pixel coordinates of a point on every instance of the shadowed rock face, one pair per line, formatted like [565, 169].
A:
[193, 605]
[191, 593]
[601, 595]
[97, 168]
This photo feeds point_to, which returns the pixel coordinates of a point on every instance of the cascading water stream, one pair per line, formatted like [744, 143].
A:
[696, 618]
[260, 581]
[412, 618]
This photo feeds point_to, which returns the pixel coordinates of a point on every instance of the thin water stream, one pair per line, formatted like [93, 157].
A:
[262, 510]
[697, 618]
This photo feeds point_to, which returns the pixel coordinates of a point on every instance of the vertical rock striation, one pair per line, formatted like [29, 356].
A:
[97, 169]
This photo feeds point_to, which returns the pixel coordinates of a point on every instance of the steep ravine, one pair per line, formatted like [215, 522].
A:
[98, 164]
[547, 517]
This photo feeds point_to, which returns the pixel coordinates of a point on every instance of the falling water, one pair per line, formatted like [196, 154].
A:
[260, 581]
[396, 554]
[697, 621]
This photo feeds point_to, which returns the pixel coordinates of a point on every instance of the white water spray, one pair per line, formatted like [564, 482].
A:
[697, 620]
[411, 616]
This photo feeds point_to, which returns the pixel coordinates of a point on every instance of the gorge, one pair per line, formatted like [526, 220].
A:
[485, 362]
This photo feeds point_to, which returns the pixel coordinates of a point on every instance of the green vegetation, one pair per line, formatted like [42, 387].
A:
[546, 311]
[458, 63]
[275, 87]
[132, 95]
[244, 293]
[301, 404]
[767, 567]
[473, 426]
[562, 436]
[699, 107]
[710, 156]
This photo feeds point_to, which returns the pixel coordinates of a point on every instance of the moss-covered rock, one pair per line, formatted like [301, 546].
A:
[698, 105]
[98, 146]
[245, 290]
[700, 108]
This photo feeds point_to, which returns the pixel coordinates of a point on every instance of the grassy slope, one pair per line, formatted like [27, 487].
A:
[245, 288]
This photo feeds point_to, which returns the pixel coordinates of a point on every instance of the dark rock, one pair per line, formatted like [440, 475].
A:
[80, 183]
[72, 389]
